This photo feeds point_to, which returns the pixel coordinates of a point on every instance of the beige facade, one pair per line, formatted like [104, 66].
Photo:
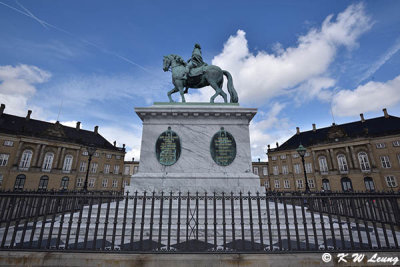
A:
[260, 168]
[340, 162]
[32, 163]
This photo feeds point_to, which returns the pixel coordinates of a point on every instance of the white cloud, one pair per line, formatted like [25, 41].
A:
[368, 97]
[130, 135]
[17, 86]
[261, 76]
[269, 129]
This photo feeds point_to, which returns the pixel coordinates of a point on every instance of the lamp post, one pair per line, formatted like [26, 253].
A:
[90, 149]
[302, 151]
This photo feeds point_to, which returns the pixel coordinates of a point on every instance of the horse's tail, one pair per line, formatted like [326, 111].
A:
[231, 89]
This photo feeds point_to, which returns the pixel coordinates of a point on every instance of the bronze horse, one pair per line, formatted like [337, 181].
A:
[212, 75]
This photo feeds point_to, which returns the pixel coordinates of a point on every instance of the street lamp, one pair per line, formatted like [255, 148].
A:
[90, 149]
[302, 151]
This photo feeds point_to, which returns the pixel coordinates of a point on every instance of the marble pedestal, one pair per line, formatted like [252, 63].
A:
[195, 170]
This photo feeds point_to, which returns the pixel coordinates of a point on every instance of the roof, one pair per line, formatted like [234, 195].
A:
[375, 127]
[14, 125]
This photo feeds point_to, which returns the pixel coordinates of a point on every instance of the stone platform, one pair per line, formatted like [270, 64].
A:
[195, 124]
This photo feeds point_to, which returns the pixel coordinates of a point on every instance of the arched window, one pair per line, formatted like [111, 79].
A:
[19, 182]
[67, 163]
[48, 161]
[369, 184]
[325, 185]
[364, 162]
[323, 164]
[44, 181]
[25, 160]
[342, 163]
[346, 184]
[64, 183]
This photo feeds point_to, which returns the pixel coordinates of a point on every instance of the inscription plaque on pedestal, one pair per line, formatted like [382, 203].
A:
[223, 148]
[168, 147]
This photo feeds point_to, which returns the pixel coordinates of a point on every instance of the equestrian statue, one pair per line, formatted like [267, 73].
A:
[196, 74]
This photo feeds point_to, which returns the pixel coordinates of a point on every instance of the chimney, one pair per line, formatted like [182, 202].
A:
[2, 108]
[269, 146]
[259, 159]
[123, 145]
[277, 144]
[115, 143]
[96, 129]
[133, 159]
[297, 130]
[362, 117]
[385, 113]
[314, 127]
[28, 116]
[78, 125]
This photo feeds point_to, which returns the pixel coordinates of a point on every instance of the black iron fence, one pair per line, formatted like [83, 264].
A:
[184, 222]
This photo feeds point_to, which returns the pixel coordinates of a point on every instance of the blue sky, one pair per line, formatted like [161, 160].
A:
[298, 62]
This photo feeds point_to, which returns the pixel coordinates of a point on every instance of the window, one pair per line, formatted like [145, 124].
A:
[275, 170]
[308, 168]
[283, 156]
[93, 168]
[47, 162]
[266, 183]
[96, 154]
[1, 179]
[64, 183]
[19, 182]
[369, 184]
[135, 169]
[299, 184]
[4, 159]
[116, 169]
[380, 145]
[325, 185]
[265, 171]
[346, 184]
[85, 153]
[125, 184]
[342, 163]
[277, 184]
[79, 182]
[311, 183]
[91, 182]
[396, 143]
[104, 183]
[286, 184]
[273, 158]
[118, 156]
[115, 183]
[364, 162]
[398, 158]
[285, 169]
[307, 154]
[106, 168]
[391, 181]
[67, 163]
[126, 170]
[82, 166]
[8, 143]
[323, 165]
[43, 182]
[25, 160]
[109, 156]
[296, 168]
[295, 156]
[255, 170]
[385, 162]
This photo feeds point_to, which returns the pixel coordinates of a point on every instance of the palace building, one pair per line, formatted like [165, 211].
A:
[39, 155]
[362, 155]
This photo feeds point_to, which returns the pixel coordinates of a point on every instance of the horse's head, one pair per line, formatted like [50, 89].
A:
[166, 63]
